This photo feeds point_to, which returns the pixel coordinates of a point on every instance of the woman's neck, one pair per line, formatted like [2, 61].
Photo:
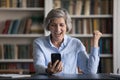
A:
[56, 43]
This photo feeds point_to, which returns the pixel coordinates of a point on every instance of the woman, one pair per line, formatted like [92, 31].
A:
[74, 58]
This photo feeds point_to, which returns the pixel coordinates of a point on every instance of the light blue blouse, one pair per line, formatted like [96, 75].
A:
[73, 55]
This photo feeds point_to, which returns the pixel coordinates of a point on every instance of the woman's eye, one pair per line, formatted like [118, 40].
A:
[62, 25]
[52, 24]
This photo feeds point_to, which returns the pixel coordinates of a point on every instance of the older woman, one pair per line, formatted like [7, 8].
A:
[74, 58]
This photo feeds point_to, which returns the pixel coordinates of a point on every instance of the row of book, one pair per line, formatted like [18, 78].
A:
[25, 51]
[85, 7]
[105, 65]
[88, 25]
[8, 51]
[105, 44]
[21, 3]
[26, 67]
[26, 25]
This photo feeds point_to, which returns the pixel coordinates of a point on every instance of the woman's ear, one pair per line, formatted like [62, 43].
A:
[48, 28]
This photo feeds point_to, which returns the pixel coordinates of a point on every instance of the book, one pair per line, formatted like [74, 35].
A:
[78, 8]
[37, 29]
[6, 27]
[89, 26]
[103, 25]
[1, 51]
[71, 7]
[8, 3]
[2, 3]
[80, 26]
[84, 26]
[65, 4]
[10, 27]
[14, 3]
[2, 24]
[96, 24]
[24, 3]
[97, 6]
[8, 51]
[57, 3]
[87, 7]
[28, 25]
[105, 6]
[21, 29]
[15, 26]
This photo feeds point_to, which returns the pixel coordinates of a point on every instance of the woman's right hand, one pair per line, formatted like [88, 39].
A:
[55, 68]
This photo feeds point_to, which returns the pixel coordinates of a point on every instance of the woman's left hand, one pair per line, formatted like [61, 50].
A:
[96, 36]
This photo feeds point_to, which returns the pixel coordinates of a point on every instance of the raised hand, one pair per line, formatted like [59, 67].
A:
[96, 36]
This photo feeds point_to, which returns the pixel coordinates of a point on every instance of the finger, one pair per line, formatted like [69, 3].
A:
[59, 67]
[97, 32]
[55, 64]
[49, 64]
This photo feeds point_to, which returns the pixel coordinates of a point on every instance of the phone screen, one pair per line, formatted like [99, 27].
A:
[55, 56]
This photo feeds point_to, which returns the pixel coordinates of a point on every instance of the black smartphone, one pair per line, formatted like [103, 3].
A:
[55, 56]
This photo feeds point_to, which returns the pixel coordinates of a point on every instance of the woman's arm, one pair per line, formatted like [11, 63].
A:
[90, 64]
[38, 59]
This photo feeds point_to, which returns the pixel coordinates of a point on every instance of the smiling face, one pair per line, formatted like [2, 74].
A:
[58, 29]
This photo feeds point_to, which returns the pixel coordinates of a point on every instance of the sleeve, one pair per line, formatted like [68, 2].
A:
[88, 63]
[93, 61]
[38, 59]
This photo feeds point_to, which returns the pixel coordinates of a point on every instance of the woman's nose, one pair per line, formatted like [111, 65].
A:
[57, 28]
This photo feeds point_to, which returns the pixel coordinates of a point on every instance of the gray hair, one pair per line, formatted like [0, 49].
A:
[56, 13]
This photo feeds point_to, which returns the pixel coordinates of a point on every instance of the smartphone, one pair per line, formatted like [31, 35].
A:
[55, 56]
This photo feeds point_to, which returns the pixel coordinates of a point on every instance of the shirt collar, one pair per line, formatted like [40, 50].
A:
[64, 43]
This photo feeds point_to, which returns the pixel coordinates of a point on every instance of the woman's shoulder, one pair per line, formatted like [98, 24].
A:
[41, 39]
[74, 39]
[75, 42]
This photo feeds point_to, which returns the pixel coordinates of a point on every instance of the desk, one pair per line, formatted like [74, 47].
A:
[74, 76]
[67, 76]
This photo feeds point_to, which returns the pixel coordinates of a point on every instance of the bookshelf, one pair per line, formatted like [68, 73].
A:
[16, 43]
[87, 17]
[90, 15]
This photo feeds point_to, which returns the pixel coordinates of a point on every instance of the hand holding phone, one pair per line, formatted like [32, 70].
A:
[55, 57]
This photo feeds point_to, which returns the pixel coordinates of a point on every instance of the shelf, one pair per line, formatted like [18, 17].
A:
[31, 60]
[18, 38]
[22, 9]
[16, 60]
[38, 35]
[106, 55]
[20, 35]
[89, 35]
[91, 16]
[28, 38]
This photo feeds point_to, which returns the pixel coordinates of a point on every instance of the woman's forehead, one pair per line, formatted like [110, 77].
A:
[57, 19]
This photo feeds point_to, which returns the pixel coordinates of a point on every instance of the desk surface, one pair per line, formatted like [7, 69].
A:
[74, 76]
[67, 76]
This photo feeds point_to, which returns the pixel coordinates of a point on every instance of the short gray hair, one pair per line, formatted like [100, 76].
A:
[56, 13]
